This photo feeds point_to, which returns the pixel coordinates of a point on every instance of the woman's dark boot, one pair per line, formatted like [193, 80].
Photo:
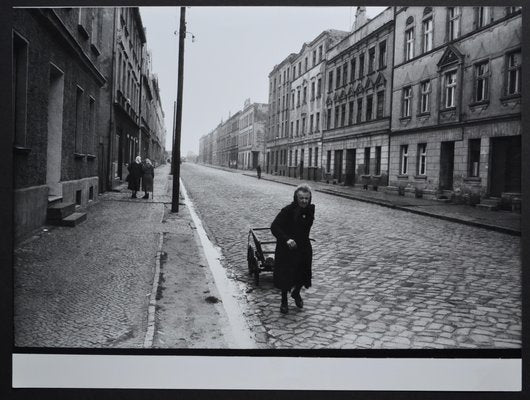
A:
[297, 298]
[146, 196]
[133, 195]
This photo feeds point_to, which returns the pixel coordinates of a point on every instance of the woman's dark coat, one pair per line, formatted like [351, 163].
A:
[135, 174]
[147, 179]
[292, 267]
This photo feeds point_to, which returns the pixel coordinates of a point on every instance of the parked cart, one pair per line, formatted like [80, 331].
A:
[259, 252]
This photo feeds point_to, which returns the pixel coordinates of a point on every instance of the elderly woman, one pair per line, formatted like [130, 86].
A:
[294, 254]
[147, 179]
[135, 174]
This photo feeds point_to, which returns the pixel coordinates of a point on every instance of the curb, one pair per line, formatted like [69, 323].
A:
[495, 228]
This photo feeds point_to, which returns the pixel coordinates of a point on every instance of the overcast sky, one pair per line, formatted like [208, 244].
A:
[234, 50]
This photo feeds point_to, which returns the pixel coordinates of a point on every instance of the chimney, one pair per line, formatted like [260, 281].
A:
[360, 18]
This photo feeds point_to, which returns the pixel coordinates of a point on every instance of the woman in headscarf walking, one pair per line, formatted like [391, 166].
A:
[294, 254]
[147, 179]
[135, 174]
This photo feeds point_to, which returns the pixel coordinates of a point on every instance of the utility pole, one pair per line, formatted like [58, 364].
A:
[178, 124]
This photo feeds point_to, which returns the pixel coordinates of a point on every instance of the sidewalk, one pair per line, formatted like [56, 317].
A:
[500, 221]
[132, 275]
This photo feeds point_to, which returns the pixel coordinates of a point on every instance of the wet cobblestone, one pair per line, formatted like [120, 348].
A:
[382, 278]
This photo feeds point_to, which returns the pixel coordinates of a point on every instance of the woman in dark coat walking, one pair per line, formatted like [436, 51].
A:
[294, 254]
[147, 178]
[135, 174]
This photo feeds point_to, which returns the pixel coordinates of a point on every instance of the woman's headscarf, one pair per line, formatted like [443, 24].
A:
[138, 159]
[148, 161]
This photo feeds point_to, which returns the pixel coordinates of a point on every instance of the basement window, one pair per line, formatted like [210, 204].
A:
[78, 197]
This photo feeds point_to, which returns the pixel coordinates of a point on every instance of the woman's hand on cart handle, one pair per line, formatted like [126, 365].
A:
[291, 243]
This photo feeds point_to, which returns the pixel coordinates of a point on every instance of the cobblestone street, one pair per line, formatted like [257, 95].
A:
[381, 278]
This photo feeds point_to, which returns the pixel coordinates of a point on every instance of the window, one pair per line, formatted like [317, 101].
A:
[310, 157]
[337, 80]
[314, 58]
[514, 73]
[367, 160]
[450, 89]
[422, 159]
[380, 104]
[20, 82]
[483, 16]
[317, 123]
[303, 127]
[359, 110]
[313, 90]
[293, 102]
[342, 115]
[305, 94]
[328, 122]
[305, 64]
[290, 157]
[474, 157]
[350, 113]
[328, 162]
[292, 128]
[311, 123]
[407, 97]
[382, 55]
[294, 71]
[369, 105]
[454, 22]
[409, 44]
[319, 53]
[403, 160]
[425, 100]
[361, 66]
[91, 126]
[298, 98]
[352, 69]
[319, 87]
[427, 35]
[79, 121]
[316, 156]
[336, 121]
[299, 68]
[344, 74]
[297, 127]
[512, 10]
[296, 157]
[330, 81]
[481, 81]
[377, 160]
[96, 28]
[371, 60]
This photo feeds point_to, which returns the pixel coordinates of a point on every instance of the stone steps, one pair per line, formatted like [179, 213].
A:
[491, 204]
[74, 219]
[64, 214]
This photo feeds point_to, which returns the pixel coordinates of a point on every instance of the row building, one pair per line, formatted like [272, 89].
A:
[80, 113]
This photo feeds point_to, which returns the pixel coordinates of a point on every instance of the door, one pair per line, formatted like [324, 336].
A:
[447, 157]
[505, 174]
[350, 167]
[337, 173]
[55, 131]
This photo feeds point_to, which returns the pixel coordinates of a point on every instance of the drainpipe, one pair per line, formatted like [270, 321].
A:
[110, 174]
[391, 95]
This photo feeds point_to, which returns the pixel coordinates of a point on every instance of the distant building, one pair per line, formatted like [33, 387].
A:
[57, 77]
[456, 112]
[252, 123]
[307, 105]
[358, 92]
[277, 134]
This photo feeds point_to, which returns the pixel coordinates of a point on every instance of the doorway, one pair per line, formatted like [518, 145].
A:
[337, 173]
[505, 175]
[55, 131]
[447, 157]
[350, 167]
